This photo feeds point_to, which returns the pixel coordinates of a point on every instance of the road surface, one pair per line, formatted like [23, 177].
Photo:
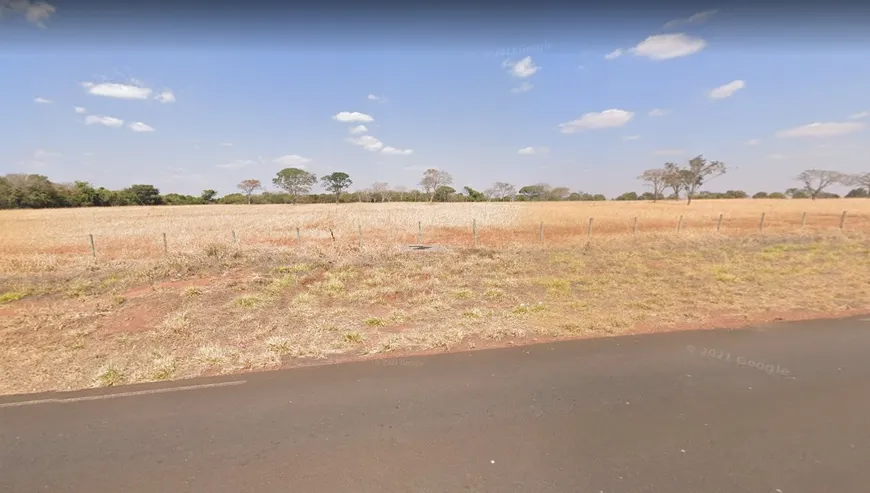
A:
[781, 408]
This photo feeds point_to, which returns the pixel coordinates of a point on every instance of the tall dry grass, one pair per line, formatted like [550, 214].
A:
[41, 240]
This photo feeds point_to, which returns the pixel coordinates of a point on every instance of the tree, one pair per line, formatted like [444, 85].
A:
[698, 172]
[208, 195]
[859, 180]
[673, 179]
[776, 195]
[145, 194]
[336, 183]
[248, 186]
[379, 189]
[474, 195]
[796, 193]
[434, 179]
[735, 194]
[443, 193]
[501, 190]
[657, 179]
[535, 192]
[817, 180]
[760, 195]
[294, 181]
[627, 196]
[559, 193]
[857, 193]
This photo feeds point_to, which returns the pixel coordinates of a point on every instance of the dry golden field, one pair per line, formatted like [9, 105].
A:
[42, 238]
[204, 304]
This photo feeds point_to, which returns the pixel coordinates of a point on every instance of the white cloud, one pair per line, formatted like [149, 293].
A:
[359, 129]
[42, 101]
[776, 156]
[591, 121]
[396, 152]
[291, 160]
[108, 121]
[631, 137]
[80, 110]
[727, 90]
[668, 152]
[379, 99]
[140, 127]
[858, 116]
[367, 142]
[658, 112]
[41, 154]
[829, 129]
[238, 163]
[348, 116]
[34, 12]
[753, 142]
[165, 97]
[693, 19]
[523, 68]
[119, 91]
[613, 54]
[528, 151]
[667, 46]
[524, 87]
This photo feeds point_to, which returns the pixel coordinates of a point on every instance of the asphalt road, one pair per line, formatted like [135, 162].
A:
[680, 412]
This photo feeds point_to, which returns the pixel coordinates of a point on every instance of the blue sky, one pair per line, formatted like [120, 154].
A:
[211, 104]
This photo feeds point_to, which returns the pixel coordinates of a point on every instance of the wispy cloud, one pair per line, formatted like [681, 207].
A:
[34, 12]
[108, 121]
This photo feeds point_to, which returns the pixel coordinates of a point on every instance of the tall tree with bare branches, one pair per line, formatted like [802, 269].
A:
[656, 179]
[817, 180]
[249, 186]
[433, 179]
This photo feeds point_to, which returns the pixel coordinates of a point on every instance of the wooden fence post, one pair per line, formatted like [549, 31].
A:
[541, 233]
[803, 221]
[474, 231]
[719, 223]
[165, 246]
[634, 229]
[419, 232]
[298, 237]
[234, 237]
[680, 224]
[842, 220]
[93, 248]
[360, 235]
[761, 223]
[589, 229]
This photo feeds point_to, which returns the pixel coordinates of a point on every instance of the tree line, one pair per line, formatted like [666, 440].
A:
[23, 191]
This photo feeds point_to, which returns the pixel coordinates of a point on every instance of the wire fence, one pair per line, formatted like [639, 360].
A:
[475, 234]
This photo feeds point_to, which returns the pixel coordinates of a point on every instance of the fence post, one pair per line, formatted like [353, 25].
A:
[541, 234]
[761, 223]
[165, 246]
[635, 225]
[93, 248]
[474, 231]
[842, 220]
[360, 235]
[419, 232]
[719, 223]
[680, 224]
[234, 237]
[589, 229]
[298, 237]
[803, 221]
